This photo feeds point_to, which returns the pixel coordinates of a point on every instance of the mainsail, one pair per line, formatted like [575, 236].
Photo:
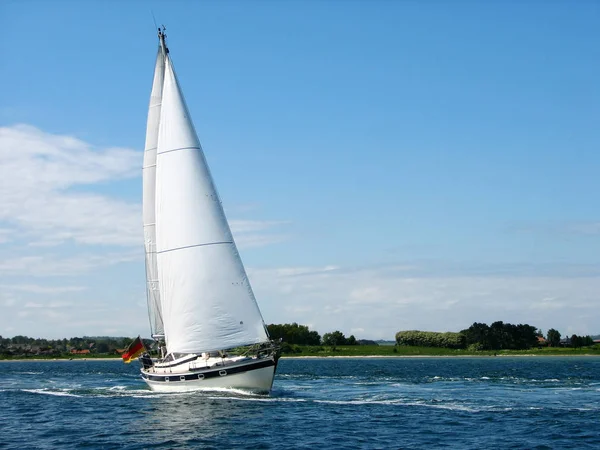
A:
[148, 202]
[206, 298]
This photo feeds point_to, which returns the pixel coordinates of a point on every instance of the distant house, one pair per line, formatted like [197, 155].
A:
[19, 347]
[565, 342]
[542, 341]
[74, 351]
[24, 348]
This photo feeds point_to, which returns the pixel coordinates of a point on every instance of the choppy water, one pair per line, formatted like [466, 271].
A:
[543, 403]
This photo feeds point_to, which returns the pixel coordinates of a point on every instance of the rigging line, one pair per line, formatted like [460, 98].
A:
[154, 20]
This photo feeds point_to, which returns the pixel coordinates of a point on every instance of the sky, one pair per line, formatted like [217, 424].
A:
[384, 165]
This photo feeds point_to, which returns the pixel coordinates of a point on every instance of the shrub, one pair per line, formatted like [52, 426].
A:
[430, 339]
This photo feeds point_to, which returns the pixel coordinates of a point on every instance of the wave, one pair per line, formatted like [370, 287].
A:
[127, 391]
[285, 396]
[44, 391]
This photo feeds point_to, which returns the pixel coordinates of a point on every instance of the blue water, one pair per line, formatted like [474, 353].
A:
[466, 403]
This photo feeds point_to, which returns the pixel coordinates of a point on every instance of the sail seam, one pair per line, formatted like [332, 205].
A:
[196, 245]
[147, 167]
[177, 149]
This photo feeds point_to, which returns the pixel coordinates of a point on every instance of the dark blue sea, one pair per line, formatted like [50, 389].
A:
[465, 403]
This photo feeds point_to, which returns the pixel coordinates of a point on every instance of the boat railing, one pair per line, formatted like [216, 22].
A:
[265, 349]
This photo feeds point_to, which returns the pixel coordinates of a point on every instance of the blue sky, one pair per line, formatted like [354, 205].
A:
[385, 165]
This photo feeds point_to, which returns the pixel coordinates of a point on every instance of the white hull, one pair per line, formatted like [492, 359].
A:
[254, 375]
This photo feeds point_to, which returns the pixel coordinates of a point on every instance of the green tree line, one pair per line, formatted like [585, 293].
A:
[479, 336]
[293, 335]
[501, 336]
[497, 336]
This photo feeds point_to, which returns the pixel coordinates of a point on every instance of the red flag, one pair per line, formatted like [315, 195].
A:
[134, 350]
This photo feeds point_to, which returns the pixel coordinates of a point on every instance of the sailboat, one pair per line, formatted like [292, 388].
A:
[204, 317]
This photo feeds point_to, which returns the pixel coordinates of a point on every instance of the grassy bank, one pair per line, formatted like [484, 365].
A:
[390, 350]
[364, 350]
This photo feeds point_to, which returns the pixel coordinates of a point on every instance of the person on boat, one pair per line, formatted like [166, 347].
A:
[146, 360]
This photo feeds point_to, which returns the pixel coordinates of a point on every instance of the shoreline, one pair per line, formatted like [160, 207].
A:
[331, 357]
[58, 359]
[537, 355]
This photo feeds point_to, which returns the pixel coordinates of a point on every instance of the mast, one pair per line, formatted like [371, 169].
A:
[207, 300]
[161, 39]
[149, 188]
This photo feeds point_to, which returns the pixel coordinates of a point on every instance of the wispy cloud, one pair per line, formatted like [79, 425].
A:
[382, 300]
[258, 233]
[243, 208]
[47, 193]
[249, 226]
[49, 265]
[39, 171]
[38, 289]
[5, 235]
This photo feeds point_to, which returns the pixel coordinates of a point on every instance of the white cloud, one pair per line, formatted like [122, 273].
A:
[5, 235]
[39, 171]
[46, 193]
[257, 233]
[381, 301]
[37, 289]
[33, 305]
[256, 240]
[248, 226]
[49, 265]
[244, 208]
